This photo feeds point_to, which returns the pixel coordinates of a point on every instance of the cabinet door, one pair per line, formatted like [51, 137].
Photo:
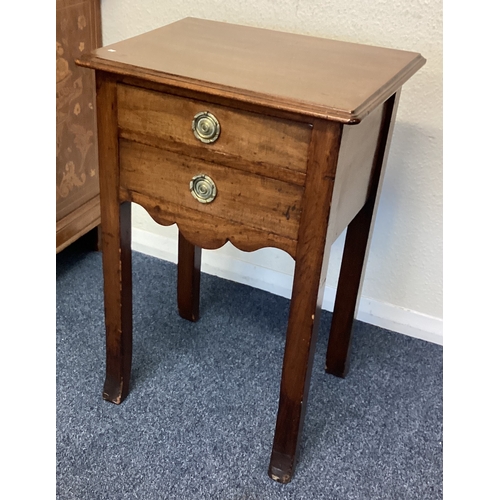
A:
[77, 185]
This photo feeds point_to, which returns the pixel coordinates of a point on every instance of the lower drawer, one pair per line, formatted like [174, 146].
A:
[248, 199]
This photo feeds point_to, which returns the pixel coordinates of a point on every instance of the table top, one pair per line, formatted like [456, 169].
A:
[318, 77]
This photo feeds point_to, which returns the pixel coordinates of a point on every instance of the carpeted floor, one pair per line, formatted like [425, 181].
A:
[199, 420]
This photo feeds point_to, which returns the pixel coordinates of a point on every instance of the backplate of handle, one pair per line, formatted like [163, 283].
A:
[206, 127]
[203, 188]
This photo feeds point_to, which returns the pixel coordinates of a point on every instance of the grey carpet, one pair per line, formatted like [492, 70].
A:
[199, 420]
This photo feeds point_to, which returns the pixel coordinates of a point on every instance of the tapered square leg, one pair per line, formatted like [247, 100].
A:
[351, 271]
[354, 257]
[117, 267]
[297, 366]
[307, 295]
[116, 251]
[188, 279]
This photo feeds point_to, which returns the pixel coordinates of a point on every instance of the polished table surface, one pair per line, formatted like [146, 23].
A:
[253, 136]
[315, 76]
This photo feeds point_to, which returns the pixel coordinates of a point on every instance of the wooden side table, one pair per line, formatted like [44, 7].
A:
[251, 136]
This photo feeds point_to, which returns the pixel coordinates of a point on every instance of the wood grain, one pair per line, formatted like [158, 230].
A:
[324, 78]
[254, 201]
[246, 138]
[206, 230]
[199, 95]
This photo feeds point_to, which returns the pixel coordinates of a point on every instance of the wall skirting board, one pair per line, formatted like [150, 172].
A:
[370, 311]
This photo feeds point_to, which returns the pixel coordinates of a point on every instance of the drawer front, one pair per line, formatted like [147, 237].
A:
[254, 201]
[246, 139]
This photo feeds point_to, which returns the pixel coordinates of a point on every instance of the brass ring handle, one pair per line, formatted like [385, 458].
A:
[206, 127]
[203, 188]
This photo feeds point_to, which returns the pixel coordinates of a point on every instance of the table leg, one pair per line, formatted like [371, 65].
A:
[117, 267]
[116, 251]
[305, 310]
[307, 295]
[354, 257]
[188, 279]
[351, 271]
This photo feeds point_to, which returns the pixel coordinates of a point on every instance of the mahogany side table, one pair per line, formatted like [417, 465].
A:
[256, 137]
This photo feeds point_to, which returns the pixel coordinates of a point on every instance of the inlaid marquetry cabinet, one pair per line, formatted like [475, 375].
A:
[78, 30]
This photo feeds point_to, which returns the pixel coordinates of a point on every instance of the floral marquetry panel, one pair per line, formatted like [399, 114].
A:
[77, 183]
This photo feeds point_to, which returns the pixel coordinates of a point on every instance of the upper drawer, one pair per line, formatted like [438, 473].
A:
[246, 140]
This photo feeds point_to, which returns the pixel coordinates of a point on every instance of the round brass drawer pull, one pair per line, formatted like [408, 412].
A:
[206, 127]
[203, 188]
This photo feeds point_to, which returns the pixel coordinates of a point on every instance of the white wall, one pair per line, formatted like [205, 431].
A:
[403, 282]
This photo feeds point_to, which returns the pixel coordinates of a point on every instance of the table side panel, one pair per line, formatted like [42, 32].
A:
[354, 170]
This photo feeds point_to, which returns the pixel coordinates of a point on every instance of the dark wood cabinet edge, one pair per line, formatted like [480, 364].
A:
[77, 223]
